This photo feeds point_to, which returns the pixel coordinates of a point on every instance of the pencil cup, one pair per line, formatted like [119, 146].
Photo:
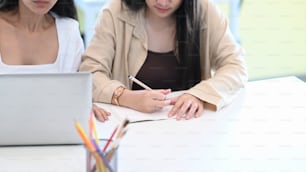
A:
[101, 162]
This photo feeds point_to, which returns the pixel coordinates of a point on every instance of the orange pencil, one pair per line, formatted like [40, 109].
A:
[84, 137]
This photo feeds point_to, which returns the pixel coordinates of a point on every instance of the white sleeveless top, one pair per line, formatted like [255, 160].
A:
[69, 54]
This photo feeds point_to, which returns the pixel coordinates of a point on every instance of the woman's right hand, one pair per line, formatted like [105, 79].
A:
[147, 101]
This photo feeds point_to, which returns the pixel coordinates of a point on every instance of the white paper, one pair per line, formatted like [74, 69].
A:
[118, 114]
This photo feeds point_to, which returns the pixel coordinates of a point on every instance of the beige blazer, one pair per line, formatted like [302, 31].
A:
[119, 48]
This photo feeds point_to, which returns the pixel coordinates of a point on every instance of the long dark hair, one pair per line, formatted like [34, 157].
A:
[63, 8]
[187, 38]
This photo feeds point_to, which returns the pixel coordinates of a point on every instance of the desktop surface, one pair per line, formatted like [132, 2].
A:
[262, 130]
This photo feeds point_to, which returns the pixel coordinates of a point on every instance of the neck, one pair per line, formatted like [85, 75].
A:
[32, 22]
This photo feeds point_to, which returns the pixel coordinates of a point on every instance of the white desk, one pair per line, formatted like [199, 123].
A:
[264, 130]
[43, 159]
[91, 9]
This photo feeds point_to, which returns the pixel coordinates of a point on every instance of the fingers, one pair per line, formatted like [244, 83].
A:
[157, 105]
[154, 100]
[186, 106]
[160, 104]
[100, 114]
[193, 108]
[183, 110]
[173, 100]
[165, 92]
[159, 96]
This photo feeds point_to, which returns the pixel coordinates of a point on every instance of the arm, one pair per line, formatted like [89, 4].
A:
[100, 59]
[219, 54]
[226, 59]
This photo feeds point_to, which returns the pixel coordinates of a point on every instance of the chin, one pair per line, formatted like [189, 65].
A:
[163, 15]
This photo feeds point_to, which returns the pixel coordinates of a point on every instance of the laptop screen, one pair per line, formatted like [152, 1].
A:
[38, 109]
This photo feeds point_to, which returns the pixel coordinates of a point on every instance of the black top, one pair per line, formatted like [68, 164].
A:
[160, 71]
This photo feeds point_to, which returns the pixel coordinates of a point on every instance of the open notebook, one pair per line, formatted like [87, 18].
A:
[39, 109]
[119, 113]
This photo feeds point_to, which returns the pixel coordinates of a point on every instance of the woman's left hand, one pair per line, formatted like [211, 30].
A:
[186, 106]
[100, 114]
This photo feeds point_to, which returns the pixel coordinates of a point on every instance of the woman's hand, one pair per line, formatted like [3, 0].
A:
[100, 114]
[186, 106]
[147, 101]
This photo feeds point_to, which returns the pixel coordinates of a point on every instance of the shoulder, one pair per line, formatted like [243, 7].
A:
[118, 9]
[208, 6]
[203, 4]
[68, 26]
[209, 11]
[68, 30]
[66, 22]
[114, 6]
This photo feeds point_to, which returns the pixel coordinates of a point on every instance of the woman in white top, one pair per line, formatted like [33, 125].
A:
[41, 37]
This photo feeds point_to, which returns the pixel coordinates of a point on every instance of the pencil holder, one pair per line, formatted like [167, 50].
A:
[100, 161]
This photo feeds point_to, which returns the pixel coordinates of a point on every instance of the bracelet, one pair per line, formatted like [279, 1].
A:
[117, 93]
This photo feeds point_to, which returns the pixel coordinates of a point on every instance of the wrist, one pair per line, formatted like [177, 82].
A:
[127, 98]
[116, 95]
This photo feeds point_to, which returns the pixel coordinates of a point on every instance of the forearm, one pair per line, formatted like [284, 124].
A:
[128, 99]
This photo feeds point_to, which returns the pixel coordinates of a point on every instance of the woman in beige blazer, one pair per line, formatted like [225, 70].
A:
[170, 46]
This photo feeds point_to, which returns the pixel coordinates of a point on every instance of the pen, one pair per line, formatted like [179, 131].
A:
[139, 82]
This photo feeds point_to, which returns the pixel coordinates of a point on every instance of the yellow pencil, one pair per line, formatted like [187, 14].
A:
[95, 130]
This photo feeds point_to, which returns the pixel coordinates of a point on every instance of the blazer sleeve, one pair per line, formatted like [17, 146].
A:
[98, 58]
[226, 59]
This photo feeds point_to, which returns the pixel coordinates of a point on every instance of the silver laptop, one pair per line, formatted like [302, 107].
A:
[40, 109]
